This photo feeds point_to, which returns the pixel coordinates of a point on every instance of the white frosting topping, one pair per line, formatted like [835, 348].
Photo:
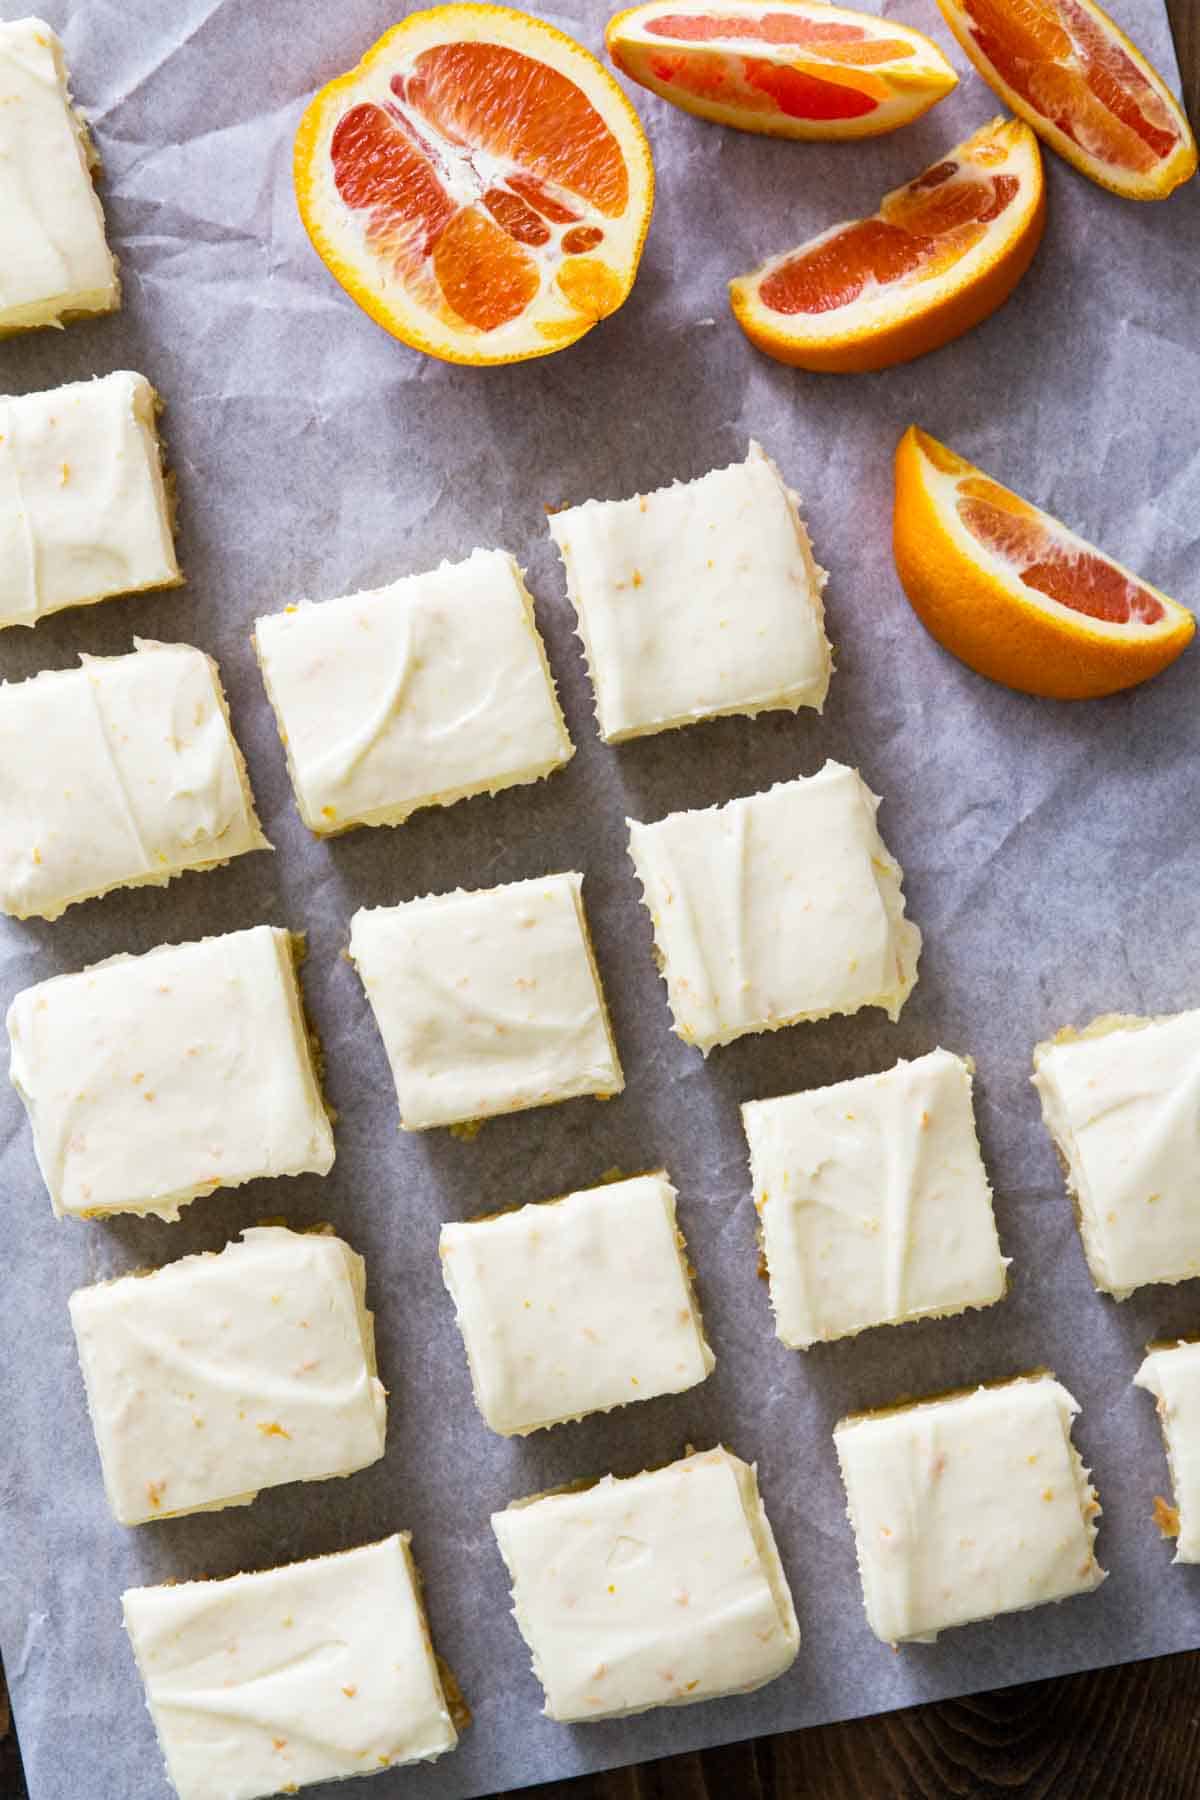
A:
[270, 1681]
[488, 1001]
[83, 506]
[1172, 1375]
[699, 599]
[221, 1375]
[413, 695]
[150, 1080]
[655, 1591]
[968, 1507]
[777, 908]
[53, 256]
[874, 1201]
[1122, 1102]
[576, 1305]
[136, 778]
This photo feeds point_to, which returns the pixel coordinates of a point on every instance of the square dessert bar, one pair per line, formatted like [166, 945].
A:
[265, 1683]
[1171, 1372]
[137, 777]
[968, 1506]
[84, 508]
[488, 1001]
[417, 694]
[654, 1591]
[576, 1305]
[778, 908]
[873, 1201]
[1121, 1099]
[150, 1080]
[222, 1375]
[54, 262]
[700, 599]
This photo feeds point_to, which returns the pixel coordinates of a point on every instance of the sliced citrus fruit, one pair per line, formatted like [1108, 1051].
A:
[1068, 69]
[479, 184]
[1014, 594]
[938, 256]
[789, 68]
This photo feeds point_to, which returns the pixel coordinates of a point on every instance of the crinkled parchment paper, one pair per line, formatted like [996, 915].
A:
[1050, 855]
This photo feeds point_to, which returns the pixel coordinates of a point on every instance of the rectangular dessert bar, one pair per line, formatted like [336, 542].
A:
[576, 1305]
[413, 695]
[218, 1376]
[968, 1506]
[873, 1201]
[700, 599]
[54, 261]
[1121, 1099]
[268, 1682]
[136, 777]
[487, 1002]
[84, 507]
[777, 908]
[659, 1590]
[1171, 1372]
[150, 1080]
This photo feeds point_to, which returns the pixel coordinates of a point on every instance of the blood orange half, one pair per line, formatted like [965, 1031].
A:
[1065, 67]
[939, 255]
[788, 68]
[1016, 595]
[479, 184]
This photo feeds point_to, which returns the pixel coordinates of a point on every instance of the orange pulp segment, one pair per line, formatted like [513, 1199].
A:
[934, 221]
[1043, 558]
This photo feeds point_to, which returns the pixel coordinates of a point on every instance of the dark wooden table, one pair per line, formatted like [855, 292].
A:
[1129, 1733]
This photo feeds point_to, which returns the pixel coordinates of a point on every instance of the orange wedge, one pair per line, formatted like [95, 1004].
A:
[938, 256]
[479, 184]
[1067, 68]
[1014, 594]
[788, 68]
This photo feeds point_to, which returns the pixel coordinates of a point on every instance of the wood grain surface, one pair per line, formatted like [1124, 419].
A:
[1128, 1733]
